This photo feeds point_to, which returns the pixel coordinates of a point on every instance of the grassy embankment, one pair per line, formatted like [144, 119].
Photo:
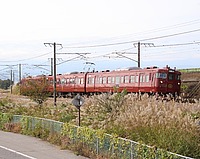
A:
[168, 125]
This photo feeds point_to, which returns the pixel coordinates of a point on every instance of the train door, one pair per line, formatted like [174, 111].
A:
[76, 83]
[137, 83]
[140, 81]
[90, 83]
[153, 81]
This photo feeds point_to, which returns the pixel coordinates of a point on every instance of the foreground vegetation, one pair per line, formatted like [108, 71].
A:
[163, 124]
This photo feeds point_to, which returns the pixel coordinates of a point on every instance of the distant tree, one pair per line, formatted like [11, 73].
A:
[5, 84]
[35, 89]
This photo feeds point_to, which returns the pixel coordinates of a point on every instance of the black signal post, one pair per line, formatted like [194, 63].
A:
[78, 102]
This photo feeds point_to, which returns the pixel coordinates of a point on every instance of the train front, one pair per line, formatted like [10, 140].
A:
[168, 81]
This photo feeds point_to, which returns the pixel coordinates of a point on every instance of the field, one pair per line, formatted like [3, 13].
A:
[169, 125]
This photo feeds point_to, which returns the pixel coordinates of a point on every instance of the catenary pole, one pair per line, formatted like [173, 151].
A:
[139, 50]
[54, 73]
[54, 69]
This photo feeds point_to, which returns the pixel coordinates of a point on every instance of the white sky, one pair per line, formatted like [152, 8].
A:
[27, 24]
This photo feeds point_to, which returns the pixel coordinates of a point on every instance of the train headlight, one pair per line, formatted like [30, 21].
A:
[179, 83]
[161, 81]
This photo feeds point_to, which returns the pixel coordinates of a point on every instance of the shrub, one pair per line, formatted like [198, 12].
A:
[35, 89]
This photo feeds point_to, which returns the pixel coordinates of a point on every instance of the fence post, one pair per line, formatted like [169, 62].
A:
[97, 146]
[131, 150]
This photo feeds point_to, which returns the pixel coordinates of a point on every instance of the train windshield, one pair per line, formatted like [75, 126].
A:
[172, 76]
[161, 75]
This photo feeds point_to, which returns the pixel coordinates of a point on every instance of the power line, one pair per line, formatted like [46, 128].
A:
[134, 41]
[170, 27]
[180, 44]
[28, 58]
[69, 60]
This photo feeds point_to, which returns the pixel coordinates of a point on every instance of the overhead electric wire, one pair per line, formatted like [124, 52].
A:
[134, 41]
[28, 58]
[180, 44]
[170, 27]
[68, 60]
[184, 24]
[170, 52]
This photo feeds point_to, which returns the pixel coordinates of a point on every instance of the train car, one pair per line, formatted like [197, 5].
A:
[71, 83]
[147, 80]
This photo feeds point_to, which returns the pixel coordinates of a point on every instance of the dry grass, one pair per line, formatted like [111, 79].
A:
[151, 112]
[148, 111]
[165, 124]
[169, 125]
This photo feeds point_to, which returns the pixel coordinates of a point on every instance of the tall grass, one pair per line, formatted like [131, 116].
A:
[165, 124]
[168, 125]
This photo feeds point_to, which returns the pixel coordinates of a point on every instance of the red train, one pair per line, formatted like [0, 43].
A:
[148, 80]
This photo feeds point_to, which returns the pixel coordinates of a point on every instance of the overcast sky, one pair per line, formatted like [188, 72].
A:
[100, 28]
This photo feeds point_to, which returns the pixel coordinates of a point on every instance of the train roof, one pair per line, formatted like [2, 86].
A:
[125, 69]
[137, 69]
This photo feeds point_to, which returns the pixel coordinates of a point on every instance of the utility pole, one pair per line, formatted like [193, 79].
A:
[139, 54]
[20, 72]
[54, 68]
[11, 79]
[138, 46]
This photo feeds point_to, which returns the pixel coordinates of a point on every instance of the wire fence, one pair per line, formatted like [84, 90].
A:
[108, 145]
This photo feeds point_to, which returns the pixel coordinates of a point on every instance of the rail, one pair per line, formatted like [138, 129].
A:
[108, 144]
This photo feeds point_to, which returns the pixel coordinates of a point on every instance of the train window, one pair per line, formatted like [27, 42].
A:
[126, 79]
[161, 75]
[122, 79]
[67, 80]
[117, 80]
[91, 80]
[109, 80]
[132, 79]
[63, 81]
[97, 80]
[58, 81]
[78, 80]
[141, 78]
[147, 78]
[113, 80]
[171, 76]
[104, 80]
[136, 78]
[178, 77]
[100, 80]
[71, 81]
[82, 81]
